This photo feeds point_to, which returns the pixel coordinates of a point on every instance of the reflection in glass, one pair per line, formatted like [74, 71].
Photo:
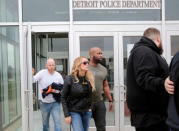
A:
[10, 104]
[11, 82]
[44, 46]
[174, 45]
[9, 11]
[106, 44]
[128, 43]
[171, 9]
[45, 10]
[117, 15]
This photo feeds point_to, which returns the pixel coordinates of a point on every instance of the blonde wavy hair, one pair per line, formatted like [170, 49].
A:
[75, 69]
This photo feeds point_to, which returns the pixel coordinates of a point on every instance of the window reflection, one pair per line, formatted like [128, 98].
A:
[10, 79]
[9, 11]
[172, 9]
[45, 10]
[117, 15]
[174, 45]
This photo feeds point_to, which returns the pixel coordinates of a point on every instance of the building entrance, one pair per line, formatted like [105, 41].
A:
[57, 42]
[44, 46]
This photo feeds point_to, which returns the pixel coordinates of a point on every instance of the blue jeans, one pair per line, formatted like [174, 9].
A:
[80, 121]
[55, 111]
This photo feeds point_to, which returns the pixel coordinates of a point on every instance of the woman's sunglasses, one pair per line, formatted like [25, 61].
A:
[85, 62]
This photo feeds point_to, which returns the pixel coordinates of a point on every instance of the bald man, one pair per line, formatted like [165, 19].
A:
[101, 84]
[49, 105]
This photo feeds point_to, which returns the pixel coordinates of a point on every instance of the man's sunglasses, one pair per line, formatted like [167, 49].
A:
[85, 62]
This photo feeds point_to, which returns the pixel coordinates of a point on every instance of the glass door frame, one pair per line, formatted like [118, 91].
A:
[26, 67]
[168, 45]
[123, 127]
[116, 78]
[26, 78]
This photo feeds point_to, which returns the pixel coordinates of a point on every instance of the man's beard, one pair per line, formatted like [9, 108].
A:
[96, 60]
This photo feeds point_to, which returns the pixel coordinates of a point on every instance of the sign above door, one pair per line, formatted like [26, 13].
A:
[116, 4]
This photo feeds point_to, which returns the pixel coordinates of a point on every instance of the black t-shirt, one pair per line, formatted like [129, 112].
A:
[85, 85]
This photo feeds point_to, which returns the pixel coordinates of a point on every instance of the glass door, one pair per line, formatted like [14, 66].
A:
[37, 47]
[116, 50]
[172, 44]
[108, 43]
[126, 43]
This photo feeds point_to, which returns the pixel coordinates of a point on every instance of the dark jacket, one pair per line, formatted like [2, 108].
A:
[173, 106]
[57, 94]
[76, 96]
[146, 73]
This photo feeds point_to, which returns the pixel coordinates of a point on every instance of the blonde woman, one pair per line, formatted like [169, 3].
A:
[77, 94]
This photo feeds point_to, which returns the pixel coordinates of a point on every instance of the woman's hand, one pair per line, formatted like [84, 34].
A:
[68, 119]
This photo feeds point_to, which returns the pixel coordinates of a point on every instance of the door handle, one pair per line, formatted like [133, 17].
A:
[115, 98]
[122, 92]
[27, 92]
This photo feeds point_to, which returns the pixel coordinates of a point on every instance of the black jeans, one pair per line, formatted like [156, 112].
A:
[158, 127]
[99, 115]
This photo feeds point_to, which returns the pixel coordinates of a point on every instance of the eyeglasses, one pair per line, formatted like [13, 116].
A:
[85, 62]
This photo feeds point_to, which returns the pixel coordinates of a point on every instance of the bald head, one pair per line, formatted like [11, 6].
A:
[95, 55]
[93, 50]
[50, 65]
[50, 60]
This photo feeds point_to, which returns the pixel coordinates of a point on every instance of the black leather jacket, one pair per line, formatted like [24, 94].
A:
[76, 96]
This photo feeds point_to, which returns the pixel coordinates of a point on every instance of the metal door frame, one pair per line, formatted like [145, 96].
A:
[116, 84]
[123, 127]
[26, 68]
[26, 79]
[121, 69]
[168, 41]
